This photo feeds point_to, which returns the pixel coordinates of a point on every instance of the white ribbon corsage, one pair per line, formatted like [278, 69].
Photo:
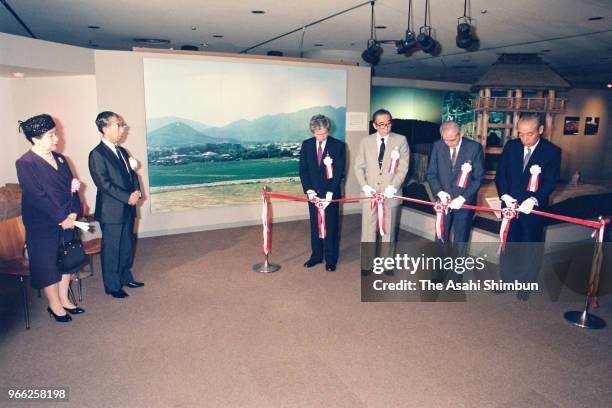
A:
[395, 155]
[327, 161]
[133, 163]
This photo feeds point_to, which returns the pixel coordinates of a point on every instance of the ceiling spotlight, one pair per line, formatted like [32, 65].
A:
[217, 36]
[93, 27]
[465, 36]
[189, 48]
[258, 11]
[407, 45]
[274, 53]
[409, 42]
[152, 40]
[427, 43]
[373, 53]
[609, 85]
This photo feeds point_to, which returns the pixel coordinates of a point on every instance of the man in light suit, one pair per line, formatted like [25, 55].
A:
[318, 183]
[520, 159]
[450, 156]
[375, 175]
[116, 199]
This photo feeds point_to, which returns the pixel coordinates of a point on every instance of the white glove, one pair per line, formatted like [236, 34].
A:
[526, 206]
[510, 201]
[457, 203]
[329, 196]
[369, 191]
[444, 196]
[389, 191]
[311, 194]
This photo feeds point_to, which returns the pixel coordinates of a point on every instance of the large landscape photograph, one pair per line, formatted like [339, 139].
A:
[219, 131]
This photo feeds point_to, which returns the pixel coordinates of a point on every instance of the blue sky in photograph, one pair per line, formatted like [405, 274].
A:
[216, 93]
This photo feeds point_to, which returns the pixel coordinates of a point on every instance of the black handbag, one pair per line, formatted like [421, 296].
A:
[70, 254]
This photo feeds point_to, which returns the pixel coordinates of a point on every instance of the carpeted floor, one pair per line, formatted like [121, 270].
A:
[205, 331]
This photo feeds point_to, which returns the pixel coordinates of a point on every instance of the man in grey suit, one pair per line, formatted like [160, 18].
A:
[455, 173]
[381, 167]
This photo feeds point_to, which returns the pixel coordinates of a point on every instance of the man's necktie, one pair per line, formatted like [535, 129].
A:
[319, 153]
[453, 156]
[127, 168]
[527, 157]
[381, 152]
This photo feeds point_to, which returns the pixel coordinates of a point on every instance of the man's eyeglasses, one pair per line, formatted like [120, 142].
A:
[383, 125]
[121, 125]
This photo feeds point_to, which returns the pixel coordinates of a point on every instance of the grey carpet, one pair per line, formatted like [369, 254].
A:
[205, 331]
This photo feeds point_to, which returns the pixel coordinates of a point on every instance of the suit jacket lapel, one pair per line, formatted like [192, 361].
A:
[112, 157]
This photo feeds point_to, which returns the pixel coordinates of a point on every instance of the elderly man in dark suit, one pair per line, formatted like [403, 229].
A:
[322, 160]
[527, 173]
[455, 173]
[112, 170]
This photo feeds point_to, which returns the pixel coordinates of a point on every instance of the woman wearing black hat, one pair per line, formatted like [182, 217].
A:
[50, 204]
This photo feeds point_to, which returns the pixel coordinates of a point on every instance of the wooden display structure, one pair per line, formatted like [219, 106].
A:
[516, 84]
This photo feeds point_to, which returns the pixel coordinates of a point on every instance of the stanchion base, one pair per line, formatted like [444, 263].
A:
[585, 320]
[266, 267]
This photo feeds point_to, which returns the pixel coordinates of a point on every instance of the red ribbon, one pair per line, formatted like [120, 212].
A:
[321, 205]
[534, 183]
[508, 214]
[441, 209]
[462, 180]
[393, 166]
[378, 200]
[329, 172]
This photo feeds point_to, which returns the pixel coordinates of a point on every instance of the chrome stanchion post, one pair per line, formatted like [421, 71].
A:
[583, 318]
[266, 266]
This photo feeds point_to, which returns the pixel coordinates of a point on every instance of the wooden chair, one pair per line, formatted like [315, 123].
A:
[12, 261]
[91, 247]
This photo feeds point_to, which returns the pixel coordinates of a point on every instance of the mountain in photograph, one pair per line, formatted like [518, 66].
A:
[171, 131]
[282, 127]
[157, 123]
[179, 134]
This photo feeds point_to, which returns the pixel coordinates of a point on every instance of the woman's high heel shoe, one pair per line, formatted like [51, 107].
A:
[61, 319]
[75, 310]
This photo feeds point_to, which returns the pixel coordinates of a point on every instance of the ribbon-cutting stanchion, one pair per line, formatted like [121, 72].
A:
[265, 266]
[579, 318]
[583, 318]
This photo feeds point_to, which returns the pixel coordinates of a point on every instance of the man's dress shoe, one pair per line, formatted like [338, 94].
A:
[330, 267]
[118, 294]
[134, 284]
[310, 263]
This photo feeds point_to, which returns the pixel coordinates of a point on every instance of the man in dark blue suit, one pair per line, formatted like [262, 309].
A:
[527, 173]
[112, 170]
[529, 155]
[455, 173]
[322, 160]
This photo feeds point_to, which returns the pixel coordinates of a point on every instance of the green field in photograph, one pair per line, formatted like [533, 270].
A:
[211, 172]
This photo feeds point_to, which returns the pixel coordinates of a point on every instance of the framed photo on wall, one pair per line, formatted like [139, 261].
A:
[591, 126]
[571, 125]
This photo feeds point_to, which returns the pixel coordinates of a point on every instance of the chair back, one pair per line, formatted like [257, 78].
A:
[12, 238]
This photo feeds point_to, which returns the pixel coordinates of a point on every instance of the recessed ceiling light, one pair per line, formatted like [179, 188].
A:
[151, 40]
[483, 11]
[381, 27]
[596, 18]
[203, 44]
[546, 50]
[258, 11]
[94, 27]
[217, 36]
[318, 45]
[194, 28]
[18, 74]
